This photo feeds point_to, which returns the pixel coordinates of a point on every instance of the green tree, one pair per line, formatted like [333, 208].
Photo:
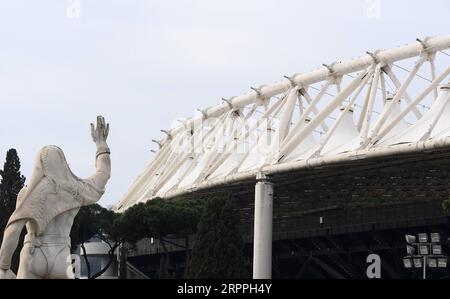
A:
[12, 181]
[218, 249]
[162, 220]
[446, 205]
[95, 221]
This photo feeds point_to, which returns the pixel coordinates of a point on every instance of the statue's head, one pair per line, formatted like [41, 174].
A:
[51, 162]
[54, 163]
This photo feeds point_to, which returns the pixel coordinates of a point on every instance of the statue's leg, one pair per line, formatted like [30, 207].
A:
[27, 275]
[33, 263]
[61, 267]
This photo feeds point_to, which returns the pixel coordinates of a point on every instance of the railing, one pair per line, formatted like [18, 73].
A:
[147, 247]
[333, 222]
[364, 218]
[135, 273]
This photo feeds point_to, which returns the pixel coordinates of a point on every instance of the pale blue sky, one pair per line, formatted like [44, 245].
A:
[143, 64]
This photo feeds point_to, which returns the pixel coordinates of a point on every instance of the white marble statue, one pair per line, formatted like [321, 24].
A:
[47, 207]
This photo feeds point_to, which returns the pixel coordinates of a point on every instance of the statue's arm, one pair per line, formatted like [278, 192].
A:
[103, 168]
[10, 242]
[102, 157]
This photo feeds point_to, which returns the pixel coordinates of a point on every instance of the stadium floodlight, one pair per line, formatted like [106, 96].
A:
[407, 262]
[442, 262]
[436, 249]
[423, 237]
[410, 239]
[432, 262]
[410, 250]
[424, 249]
[435, 237]
[417, 262]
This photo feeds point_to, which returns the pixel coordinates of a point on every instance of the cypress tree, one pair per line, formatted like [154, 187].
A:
[12, 181]
[218, 249]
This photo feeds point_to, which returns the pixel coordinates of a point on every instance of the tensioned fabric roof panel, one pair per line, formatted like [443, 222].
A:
[302, 122]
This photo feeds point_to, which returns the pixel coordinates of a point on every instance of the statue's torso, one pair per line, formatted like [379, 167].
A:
[60, 225]
[48, 253]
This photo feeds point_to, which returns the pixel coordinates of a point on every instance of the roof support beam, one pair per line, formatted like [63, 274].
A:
[342, 115]
[433, 73]
[312, 105]
[398, 85]
[397, 97]
[387, 56]
[383, 87]
[370, 104]
[411, 105]
[289, 145]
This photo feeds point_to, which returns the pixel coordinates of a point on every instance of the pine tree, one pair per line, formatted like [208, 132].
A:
[218, 250]
[11, 183]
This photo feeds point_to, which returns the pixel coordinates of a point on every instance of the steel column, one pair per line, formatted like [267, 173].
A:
[262, 242]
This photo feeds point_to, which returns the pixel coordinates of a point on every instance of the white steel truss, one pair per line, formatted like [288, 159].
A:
[379, 104]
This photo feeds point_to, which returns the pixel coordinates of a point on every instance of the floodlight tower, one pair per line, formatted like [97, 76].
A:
[429, 252]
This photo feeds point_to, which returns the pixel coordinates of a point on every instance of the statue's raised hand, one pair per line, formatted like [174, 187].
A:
[7, 274]
[100, 132]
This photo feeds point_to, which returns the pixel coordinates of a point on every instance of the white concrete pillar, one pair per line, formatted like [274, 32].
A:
[262, 242]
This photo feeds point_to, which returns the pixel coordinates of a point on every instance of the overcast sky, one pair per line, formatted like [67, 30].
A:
[143, 64]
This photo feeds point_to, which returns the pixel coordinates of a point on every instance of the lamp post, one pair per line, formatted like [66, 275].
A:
[426, 253]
